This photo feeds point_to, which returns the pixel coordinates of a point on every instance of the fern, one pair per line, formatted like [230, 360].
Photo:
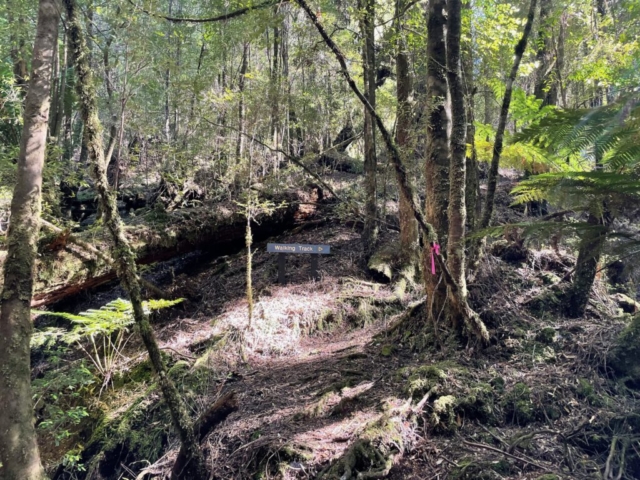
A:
[104, 330]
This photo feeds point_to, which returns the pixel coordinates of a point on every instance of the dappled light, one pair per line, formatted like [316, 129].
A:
[307, 239]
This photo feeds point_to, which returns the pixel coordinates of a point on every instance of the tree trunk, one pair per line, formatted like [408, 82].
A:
[502, 124]
[437, 162]
[472, 195]
[121, 250]
[545, 87]
[370, 231]
[18, 47]
[241, 85]
[458, 151]
[167, 85]
[408, 227]
[589, 253]
[19, 455]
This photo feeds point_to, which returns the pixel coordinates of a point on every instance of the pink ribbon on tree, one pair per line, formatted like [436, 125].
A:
[435, 247]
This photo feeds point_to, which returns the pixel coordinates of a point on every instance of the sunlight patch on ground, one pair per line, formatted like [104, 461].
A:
[281, 318]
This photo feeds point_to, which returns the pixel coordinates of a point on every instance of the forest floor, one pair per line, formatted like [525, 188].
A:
[337, 376]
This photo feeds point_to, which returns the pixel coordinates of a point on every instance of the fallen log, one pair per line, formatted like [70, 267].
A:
[65, 265]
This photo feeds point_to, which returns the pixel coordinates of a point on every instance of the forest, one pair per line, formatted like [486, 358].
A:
[315, 239]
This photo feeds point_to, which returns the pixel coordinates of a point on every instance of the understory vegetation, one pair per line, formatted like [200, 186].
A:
[467, 174]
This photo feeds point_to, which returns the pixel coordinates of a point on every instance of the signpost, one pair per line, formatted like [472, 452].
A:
[283, 248]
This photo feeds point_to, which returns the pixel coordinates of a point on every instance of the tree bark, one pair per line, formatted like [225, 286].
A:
[19, 455]
[122, 253]
[492, 182]
[472, 195]
[241, 114]
[370, 231]
[545, 87]
[437, 162]
[589, 253]
[458, 151]
[408, 227]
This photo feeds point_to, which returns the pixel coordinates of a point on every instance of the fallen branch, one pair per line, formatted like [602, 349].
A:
[522, 459]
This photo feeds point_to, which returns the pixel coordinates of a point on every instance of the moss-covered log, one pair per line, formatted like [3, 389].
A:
[64, 268]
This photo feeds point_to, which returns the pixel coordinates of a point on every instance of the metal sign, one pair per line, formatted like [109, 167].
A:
[298, 248]
[283, 248]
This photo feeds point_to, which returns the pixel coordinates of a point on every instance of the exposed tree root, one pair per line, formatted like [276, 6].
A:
[209, 420]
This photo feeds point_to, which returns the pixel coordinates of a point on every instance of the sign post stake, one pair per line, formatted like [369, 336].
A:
[314, 267]
[281, 268]
[283, 248]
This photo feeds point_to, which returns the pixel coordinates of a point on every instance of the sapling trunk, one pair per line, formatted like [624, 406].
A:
[249, 240]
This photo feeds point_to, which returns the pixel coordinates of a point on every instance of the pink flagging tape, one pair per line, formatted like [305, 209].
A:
[436, 248]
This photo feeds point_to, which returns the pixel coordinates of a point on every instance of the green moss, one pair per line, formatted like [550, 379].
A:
[424, 379]
[625, 357]
[548, 476]
[443, 416]
[586, 391]
[518, 406]
[384, 260]
[472, 469]
[141, 429]
[387, 350]
[498, 384]
[547, 335]
[179, 370]
[478, 403]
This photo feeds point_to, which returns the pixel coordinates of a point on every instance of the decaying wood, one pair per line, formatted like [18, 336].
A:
[75, 268]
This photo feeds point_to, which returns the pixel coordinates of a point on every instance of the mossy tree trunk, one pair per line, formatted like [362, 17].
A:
[472, 194]
[408, 226]
[546, 85]
[458, 153]
[589, 253]
[19, 455]
[370, 231]
[437, 162]
[122, 252]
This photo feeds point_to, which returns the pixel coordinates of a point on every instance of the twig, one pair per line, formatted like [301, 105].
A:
[507, 454]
